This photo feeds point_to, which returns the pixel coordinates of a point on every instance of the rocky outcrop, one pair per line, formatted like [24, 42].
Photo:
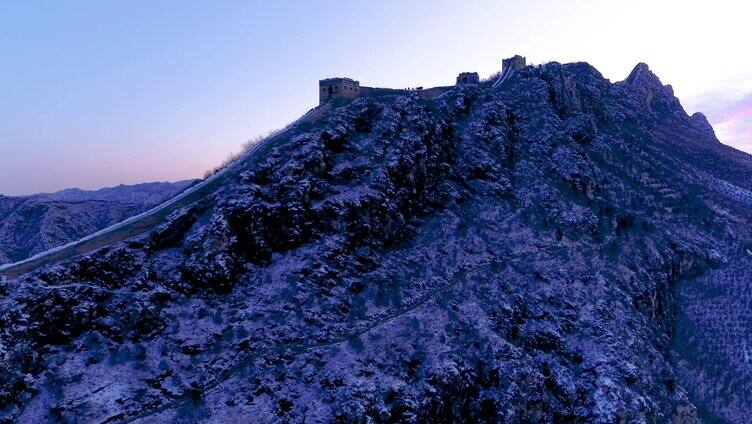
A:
[507, 254]
[700, 122]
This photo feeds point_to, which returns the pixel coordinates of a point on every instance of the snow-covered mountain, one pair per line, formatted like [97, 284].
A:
[554, 248]
[36, 223]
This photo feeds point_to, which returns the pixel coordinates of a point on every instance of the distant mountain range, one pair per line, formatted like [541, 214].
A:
[35, 223]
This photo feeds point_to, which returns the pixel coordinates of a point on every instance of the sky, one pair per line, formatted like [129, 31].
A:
[99, 93]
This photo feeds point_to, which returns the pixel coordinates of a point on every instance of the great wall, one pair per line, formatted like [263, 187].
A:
[347, 88]
[332, 91]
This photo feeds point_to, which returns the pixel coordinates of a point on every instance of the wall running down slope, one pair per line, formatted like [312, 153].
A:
[30, 225]
[138, 224]
[531, 251]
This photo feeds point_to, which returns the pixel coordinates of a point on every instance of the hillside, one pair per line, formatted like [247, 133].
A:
[36, 223]
[557, 248]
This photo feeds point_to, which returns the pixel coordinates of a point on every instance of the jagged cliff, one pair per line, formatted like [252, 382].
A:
[526, 253]
[36, 223]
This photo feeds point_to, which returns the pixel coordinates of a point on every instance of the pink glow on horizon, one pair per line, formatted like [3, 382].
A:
[733, 114]
[733, 123]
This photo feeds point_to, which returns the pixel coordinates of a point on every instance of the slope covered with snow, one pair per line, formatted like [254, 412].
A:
[520, 253]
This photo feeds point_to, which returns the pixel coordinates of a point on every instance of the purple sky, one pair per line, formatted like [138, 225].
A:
[95, 94]
[731, 116]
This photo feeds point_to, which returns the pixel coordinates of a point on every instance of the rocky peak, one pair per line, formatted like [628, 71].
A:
[647, 89]
[700, 122]
[642, 75]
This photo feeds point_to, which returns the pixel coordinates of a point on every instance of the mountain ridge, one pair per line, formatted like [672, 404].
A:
[107, 193]
[524, 253]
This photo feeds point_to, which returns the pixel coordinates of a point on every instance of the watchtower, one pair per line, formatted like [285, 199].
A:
[338, 87]
[515, 62]
[468, 78]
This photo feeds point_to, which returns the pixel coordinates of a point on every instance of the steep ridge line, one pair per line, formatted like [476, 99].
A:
[712, 183]
[143, 222]
[726, 188]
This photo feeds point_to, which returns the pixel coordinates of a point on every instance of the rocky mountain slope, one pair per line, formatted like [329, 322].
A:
[36, 223]
[556, 249]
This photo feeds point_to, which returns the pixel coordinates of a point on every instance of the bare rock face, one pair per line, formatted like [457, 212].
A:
[509, 254]
[34, 224]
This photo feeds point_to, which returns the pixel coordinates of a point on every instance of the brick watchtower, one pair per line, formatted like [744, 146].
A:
[514, 63]
[468, 78]
[338, 87]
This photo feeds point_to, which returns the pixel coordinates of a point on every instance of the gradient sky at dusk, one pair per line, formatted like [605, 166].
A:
[96, 93]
